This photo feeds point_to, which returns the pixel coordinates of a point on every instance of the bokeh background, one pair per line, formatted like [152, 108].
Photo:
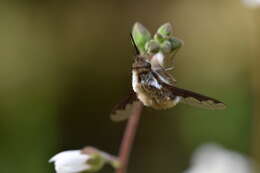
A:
[64, 64]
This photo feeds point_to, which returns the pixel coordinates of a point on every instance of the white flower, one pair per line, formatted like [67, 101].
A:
[70, 162]
[76, 161]
[252, 3]
[211, 158]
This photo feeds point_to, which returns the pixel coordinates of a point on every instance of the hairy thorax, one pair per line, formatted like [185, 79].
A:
[150, 92]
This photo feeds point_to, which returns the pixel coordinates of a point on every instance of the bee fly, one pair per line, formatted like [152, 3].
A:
[155, 87]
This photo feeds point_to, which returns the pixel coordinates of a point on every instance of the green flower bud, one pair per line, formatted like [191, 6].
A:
[165, 30]
[176, 43]
[166, 47]
[141, 35]
[158, 37]
[152, 47]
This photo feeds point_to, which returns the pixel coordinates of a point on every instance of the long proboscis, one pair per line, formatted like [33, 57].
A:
[133, 42]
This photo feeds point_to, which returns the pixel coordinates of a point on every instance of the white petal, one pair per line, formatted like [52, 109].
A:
[158, 61]
[212, 158]
[252, 3]
[70, 162]
[160, 58]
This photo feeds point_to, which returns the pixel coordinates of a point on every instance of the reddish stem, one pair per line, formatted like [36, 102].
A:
[128, 139]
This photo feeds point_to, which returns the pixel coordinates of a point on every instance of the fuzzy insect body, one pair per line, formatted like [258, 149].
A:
[149, 86]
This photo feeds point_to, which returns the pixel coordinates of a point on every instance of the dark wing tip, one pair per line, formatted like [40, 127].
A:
[205, 103]
[123, 109]
[122, 114]
[198, 100]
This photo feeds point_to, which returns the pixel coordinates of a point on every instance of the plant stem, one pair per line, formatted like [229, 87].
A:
[128, 139]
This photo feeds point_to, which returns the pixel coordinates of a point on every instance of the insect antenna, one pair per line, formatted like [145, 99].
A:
[133, 42]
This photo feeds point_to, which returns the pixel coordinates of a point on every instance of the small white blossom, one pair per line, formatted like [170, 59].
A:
[87, 159]
[70, 162]
[211, 158]
[252, 3]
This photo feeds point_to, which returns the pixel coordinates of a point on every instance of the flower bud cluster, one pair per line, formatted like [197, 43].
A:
[163, 42]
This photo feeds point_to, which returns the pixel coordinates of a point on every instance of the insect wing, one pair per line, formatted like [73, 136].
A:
[123, 109]
[198, 100]
[165, 77]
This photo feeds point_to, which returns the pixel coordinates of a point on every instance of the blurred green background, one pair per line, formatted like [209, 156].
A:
[65, 64]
